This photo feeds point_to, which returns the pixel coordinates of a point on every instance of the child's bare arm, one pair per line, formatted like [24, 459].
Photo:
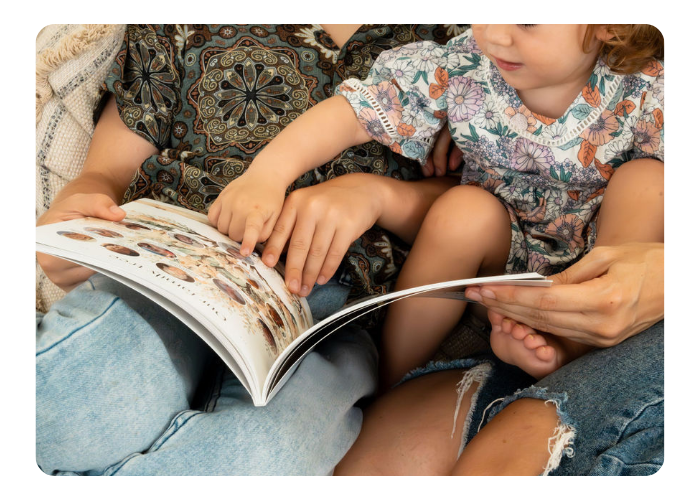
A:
[115, 154]
[249, 206]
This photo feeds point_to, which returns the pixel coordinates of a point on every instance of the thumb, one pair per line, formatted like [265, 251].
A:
[104, 207]
[589, 267]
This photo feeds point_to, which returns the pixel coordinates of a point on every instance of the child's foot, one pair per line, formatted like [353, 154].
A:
[536, 353]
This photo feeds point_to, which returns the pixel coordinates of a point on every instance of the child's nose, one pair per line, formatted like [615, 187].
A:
[498, 34]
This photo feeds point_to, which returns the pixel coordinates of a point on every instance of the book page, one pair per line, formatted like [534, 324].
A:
[182, 258]
[454, 290]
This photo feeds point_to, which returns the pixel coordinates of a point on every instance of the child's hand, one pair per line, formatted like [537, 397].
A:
[248, 208]
[443, 156]
[320, 223]
[63, 273]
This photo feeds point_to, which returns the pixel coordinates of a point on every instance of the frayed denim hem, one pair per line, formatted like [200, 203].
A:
[475, 371]
[562, 441]
[438, 366]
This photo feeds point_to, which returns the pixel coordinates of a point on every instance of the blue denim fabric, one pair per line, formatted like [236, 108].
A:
[613, 400]
[117, 376]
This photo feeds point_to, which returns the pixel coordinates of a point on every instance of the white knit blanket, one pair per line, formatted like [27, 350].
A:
[72, 61]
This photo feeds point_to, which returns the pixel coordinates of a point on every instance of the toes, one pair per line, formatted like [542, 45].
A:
[520, 331]
[533, 341]
[545, 353]
[507, 325]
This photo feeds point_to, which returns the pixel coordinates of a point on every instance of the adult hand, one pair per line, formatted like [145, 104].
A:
[443, 156]
[320, 223]
[248, 207]
[611, 294]
[63, 273]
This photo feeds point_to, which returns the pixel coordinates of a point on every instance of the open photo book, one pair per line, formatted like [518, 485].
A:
[240, 307]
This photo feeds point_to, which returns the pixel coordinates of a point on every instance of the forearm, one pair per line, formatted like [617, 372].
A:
[313, 139]
[405, 203]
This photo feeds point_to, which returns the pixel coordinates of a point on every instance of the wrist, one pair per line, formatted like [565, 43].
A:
[274, 169]
[383, 194]
[269, 173]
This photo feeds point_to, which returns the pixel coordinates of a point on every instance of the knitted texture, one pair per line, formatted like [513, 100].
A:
[72, 61]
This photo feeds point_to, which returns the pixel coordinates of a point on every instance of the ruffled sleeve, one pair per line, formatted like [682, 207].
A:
[402, 102]
[648, 140]
[146, 84]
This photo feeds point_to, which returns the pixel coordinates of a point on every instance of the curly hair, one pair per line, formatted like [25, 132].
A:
[630, 47]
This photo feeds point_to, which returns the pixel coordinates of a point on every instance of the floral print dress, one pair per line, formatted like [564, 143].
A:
[549, 173]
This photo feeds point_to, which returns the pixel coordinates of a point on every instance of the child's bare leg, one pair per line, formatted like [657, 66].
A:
[514, 443]
[465, 233]
[632, 211]
[409, 431]
[633, 205]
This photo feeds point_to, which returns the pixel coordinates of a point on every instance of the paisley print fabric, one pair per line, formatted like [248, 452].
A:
[210, 97]
[549, 173]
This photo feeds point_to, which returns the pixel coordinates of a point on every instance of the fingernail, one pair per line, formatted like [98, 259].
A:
[115, 209]
[245, 251]
[488, 293]
[321, 280]
[270, 260]
[294, 285]
[474, 295]
[304, 290]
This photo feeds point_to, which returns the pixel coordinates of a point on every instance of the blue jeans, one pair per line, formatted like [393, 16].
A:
[613, 400]
[610, 404]
[124, 388]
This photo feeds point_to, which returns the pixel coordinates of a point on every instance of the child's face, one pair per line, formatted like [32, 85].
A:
[537, 56]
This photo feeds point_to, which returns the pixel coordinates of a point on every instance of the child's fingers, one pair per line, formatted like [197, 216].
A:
[213, 214]
[322, 238]
[339, 246]
[279, 236]
[440, 152]
[429, 168]
[223, 223]
[253, 227]
[456, 158]
[297, 253]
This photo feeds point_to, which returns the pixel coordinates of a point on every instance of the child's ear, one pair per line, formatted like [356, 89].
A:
[603, 33]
